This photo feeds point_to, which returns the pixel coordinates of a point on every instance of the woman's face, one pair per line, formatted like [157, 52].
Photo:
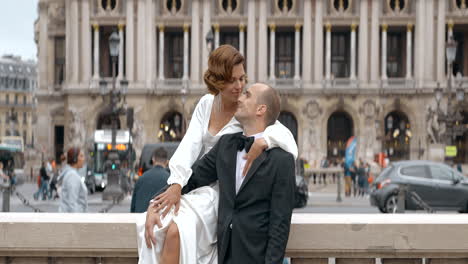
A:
[81, 160]
[233, 88]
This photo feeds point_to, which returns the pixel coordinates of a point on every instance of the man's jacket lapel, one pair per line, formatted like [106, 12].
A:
[255, 165]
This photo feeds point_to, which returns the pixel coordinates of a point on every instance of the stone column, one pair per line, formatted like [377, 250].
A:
[130, 42]
[216, 35]
[206, 29]
[68, 42]
[420, 50]
[353, 52]
[441, 41]
[185, 76]
[318, 42]
[195, 43]
[251, 41]
[42, 75]
[272, 50]
[120, 76]
[429, 41]
[75, 41]
[150, 35]
[297, 51]
[96, 52]
[363, 42]
[307, 43]
[383, 71]
[85, 42]
[375, 45]
[161, 52]
[409, 51]
[262, 54]
[141, 41]
[328, 52]
[242, 38]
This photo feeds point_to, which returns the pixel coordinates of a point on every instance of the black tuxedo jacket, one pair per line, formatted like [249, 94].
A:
[253, 226]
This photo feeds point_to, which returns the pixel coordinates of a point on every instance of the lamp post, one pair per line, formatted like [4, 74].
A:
[452, 118]
[209, 41]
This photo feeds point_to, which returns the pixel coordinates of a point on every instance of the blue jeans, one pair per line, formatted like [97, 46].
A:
[42, 190]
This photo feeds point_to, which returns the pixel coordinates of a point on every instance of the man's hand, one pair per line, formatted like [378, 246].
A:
[152, 218]
[169, 198]
[257, 148]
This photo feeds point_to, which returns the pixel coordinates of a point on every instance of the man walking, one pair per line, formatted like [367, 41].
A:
[150, 182]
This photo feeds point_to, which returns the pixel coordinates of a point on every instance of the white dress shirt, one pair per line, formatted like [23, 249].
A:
[240, 164]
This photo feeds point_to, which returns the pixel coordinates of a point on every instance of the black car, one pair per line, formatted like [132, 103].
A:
[145, 158]
[428, 186]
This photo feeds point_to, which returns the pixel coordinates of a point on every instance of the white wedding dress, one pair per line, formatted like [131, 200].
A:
[198, 213]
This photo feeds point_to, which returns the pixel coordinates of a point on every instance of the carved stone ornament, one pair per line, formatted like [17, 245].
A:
[368, 109]
[312, 110]
[56, 11]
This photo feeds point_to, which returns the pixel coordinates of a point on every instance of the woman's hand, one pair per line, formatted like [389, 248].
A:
[169, 198]
[152, 218]
[257, 148]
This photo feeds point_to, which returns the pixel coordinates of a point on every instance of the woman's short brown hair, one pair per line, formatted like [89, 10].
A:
[72, 155]
[220, 64]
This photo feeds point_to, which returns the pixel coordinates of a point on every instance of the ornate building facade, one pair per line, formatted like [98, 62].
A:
[365, 68]
[18, 82]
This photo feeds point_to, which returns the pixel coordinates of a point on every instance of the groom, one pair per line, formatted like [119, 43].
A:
[254, 211]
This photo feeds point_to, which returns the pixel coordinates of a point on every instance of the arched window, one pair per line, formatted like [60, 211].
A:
[172, 127]
[341, 5]
[173, 6]
[289, 121]
[397, 136]
[108, 5]
[284, 6]
[229, 6]
[339, 130]
[461, 4]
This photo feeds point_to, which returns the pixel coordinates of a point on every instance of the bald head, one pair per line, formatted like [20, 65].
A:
[269, 97]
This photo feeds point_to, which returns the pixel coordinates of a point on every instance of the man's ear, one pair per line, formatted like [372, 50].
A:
[261, 110]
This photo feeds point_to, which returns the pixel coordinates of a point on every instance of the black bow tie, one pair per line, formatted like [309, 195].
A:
[244, 142]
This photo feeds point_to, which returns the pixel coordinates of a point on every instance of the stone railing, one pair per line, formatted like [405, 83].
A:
[314, 238]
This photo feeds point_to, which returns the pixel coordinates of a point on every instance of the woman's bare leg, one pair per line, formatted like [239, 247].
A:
[171, 248]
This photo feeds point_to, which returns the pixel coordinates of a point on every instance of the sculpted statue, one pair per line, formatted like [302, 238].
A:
[138, 133]
[77, 131]
[435, 130]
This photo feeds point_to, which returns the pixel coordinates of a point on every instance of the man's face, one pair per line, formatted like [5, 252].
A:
[247, 106]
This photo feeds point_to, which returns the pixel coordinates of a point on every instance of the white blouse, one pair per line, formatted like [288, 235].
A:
[198, 140]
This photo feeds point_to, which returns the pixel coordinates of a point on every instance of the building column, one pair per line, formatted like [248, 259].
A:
[383, 71]
[318, 42]
[409, 51]
[251, 41]
[363, 42]
[353, 52]
[195, 43]
[420, 43]
[185, 76]
[75, 41]
[150, 36]
[306, 43]
[375, 45]
[429, 41]
[161, 52]
[328, 52]
[441, 41]
[242, 38]
[120, 76]
[129, 42]
[42, 76]
[272, 51]
[85, 42]
[262, 54]
[216, 35]
[96, 52]
[141, 41]
[206, 29]
[297, 51]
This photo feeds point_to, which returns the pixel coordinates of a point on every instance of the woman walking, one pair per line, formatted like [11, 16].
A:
[74, 196]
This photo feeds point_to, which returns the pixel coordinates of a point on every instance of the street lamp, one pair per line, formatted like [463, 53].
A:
[209, 41]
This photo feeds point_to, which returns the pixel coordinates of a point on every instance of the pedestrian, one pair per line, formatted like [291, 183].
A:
[3, 176]
[347, 177]
[74, 195]
[459, 168]
[44, 185]
[150, 182]
[324, 165]
[361, 178]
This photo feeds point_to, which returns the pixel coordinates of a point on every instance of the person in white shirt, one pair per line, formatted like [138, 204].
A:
[190, 221]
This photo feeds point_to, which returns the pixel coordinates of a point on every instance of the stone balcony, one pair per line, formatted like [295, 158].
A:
[314, 238]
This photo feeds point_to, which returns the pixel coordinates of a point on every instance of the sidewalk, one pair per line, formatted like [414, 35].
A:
[325, 196]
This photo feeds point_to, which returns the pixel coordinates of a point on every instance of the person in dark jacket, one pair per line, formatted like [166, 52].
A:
[150, 182]
[43, 189]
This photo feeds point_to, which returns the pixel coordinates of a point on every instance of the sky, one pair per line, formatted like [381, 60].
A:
[17, 28]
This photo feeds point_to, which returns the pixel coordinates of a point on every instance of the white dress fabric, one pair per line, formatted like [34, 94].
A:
[198, 213]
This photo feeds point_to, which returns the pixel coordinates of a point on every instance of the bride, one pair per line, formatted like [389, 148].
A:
[185, 232]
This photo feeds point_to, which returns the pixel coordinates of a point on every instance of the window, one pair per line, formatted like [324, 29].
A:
[229, 36]
[24, 100]
[340, 54]
[174, 66]
[284, 54]
[284, 6]
[229, 6]
[7, 99]
[59, 71]
[395, 54]
[7, 117]
[16, 99]
[105, 59]
[415, 171]
[25, 118]
[441, 173]
[173, 6]
[24, 136]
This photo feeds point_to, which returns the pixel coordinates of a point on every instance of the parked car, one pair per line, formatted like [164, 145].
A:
[145, 157]
[436, 185]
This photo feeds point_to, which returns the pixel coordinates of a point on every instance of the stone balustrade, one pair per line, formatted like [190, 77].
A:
[314, 238]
